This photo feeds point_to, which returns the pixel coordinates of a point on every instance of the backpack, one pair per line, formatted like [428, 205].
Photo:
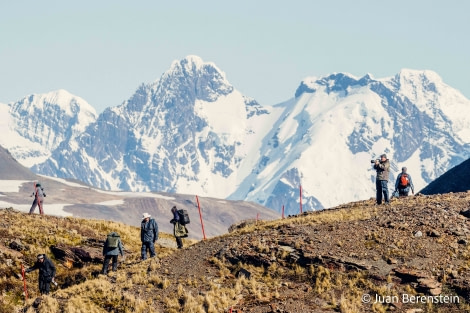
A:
[113, 241]
[404, 181]
[184, 216]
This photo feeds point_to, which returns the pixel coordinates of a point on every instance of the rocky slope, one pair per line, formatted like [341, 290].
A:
[409, 256]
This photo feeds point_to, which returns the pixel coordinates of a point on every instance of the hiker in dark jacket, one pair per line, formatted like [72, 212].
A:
[111, 249]
[382, 167]
[179, 230]
[46, 273]
[38, 195]
[404, 185]
[148, 235]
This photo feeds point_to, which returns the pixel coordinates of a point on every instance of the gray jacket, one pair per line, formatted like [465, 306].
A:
[149, 231]
[113, 251]
[383, 169]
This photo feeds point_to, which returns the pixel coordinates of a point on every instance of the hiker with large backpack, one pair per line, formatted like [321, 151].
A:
[179, 221]
[404, 183]
[38, 195]
[148, 235]
[111, 249]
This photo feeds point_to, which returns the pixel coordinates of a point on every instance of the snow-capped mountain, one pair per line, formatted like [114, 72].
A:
[336, 125]
[192, 132]
[35, 126]
[188, 132]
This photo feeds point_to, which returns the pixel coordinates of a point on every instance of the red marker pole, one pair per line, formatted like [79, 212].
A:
[200, 217]
[300, 199]
[283, 211]
[24, 282]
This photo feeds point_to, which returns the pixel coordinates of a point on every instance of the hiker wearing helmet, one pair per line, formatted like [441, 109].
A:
[404, 183]
[111, 249]
[38, 195]
[46, 273]
[148, 235]
[382, 166]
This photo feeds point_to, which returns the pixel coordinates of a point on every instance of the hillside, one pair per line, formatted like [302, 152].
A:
[11, 169]
[456, 179]
[412, 256]
[74, 198]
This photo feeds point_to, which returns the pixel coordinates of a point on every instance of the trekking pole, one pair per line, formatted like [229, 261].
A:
[24, 282]
[200, 217]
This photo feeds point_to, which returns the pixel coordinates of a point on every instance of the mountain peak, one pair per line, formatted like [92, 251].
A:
[425, 77]
[193, 64]
[68, 102]
[191, 73]
[332, 82]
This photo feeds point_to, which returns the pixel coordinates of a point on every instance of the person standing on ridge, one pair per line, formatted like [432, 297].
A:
[38, 195]
[46, 273]
[382, 167]
[111, 249]
[148, 235]
[404, 183]
[179, 229]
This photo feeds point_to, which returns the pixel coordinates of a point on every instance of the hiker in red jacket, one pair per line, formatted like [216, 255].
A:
[404, 183]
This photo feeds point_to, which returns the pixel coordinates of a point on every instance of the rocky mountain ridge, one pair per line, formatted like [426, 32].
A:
[192, 132]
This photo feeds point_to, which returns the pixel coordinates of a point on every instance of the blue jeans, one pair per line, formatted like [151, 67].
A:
[382, 188]
[150, 246]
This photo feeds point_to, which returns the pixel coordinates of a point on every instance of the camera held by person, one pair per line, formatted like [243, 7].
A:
[375, 161]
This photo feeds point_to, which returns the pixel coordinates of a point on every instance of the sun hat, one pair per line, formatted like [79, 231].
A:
[145, 215]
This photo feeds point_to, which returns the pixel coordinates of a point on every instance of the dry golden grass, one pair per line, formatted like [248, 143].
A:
[144, 286]
[37, 233]
[354, 213]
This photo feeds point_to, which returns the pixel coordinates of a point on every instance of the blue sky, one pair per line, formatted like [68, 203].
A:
[103, 50]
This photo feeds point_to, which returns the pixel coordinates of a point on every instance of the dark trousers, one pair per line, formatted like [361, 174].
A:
[382, 188]
[107, 258]
[179, 242]
[44, 285]
[403, 192]
[148, 245]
